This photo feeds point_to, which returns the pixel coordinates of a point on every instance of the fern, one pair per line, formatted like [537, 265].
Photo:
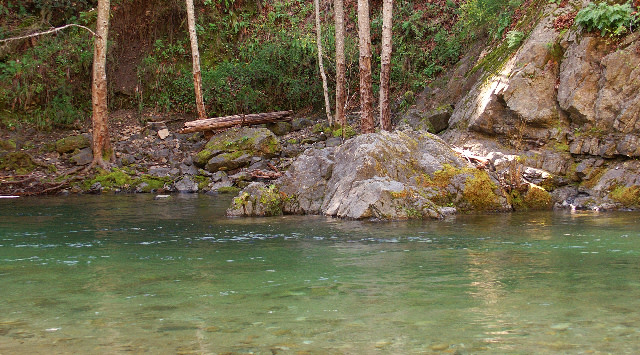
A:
[613, 20]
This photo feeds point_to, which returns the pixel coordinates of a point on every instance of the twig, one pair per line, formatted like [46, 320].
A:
[47, 32]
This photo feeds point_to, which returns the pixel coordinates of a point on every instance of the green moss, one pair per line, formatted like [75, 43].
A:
[202, 181]
[271, 200]
[561, 147]
[348, 131]
[20, 162]
[493, 62]
[537, 198]
[628, 196]
[241, 201]
[71, 143]
[116, 178]
[479, 192]
[152, 182]
[319, 128]
[228, 190]
[591, 183]
[292, 141]
[8, 144]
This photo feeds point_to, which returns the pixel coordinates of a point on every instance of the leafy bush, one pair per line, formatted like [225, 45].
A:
[610, 20]
[49, 83]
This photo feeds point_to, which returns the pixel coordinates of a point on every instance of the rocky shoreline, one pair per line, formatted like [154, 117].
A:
[554, 123]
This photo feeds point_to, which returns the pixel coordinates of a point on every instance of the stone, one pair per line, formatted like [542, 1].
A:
[258, 200]
[84, 157]
[384, 176]
[188, 169]
[159, 171]
[71, 143]
[234, 148]
[280, 128]
[301, 123]
[228, 161]
[333, 142]
[186, 185]
[219, 185]
[163, 133]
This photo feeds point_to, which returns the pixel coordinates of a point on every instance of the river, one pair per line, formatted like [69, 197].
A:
[130, 274]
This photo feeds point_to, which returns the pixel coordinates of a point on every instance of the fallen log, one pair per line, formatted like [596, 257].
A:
[210, 124]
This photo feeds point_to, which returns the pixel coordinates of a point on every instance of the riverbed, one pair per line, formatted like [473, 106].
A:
[130, 274]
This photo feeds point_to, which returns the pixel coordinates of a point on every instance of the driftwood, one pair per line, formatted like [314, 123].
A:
[271, 175]
[210, 124]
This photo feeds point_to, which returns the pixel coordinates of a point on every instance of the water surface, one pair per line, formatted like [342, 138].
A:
[129, 274]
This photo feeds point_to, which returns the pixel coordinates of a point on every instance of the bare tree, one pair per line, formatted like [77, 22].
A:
[367, 125]
[101, 142]
[195, 56]
[385, 70]
[341, 96]
[327, 105]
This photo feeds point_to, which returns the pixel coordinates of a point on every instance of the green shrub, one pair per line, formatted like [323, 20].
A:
[49, 83]
[610, 20]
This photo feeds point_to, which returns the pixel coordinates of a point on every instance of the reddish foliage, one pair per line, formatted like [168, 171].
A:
[564, 21]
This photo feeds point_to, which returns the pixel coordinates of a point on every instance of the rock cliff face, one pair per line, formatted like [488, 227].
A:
[567, 103]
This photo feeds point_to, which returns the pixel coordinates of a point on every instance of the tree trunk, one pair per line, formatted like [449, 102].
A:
[195, 55]
[101, 142]
[385, 70]
[341, 97]
[327, 105]
[367, 125]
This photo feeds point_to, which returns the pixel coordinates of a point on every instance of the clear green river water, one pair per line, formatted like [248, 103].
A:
[129, 274]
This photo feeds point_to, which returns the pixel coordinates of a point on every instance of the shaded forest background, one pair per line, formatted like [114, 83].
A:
[256, 55]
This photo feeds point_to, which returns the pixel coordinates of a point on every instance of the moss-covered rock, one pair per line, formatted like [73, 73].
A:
[110, 180]
[258, 200]
[480, 192]
[71, 143]
[228, 147]
[628, 196]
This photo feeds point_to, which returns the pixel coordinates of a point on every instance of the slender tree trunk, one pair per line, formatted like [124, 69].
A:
[101, 142]
[195, 56]
[325, 89]
[385, 70]
[341, 96]
[367, 124]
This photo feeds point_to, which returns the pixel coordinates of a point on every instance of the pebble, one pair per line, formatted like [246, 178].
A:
[439, 347]
[561, 326]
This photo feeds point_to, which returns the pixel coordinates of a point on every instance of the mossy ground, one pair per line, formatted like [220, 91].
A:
[19, 162]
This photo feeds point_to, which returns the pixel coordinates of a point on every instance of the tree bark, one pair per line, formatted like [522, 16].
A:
[385, 70]
[101, 141]
[327, 105]
[195, 56]
[367, 124]
[341, 97]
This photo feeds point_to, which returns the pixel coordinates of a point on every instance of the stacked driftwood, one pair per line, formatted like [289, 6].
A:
[218, 123]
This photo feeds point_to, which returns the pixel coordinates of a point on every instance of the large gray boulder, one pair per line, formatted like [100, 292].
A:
[385, 176]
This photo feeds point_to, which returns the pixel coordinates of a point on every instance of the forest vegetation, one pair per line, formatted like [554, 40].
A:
[256, 56]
